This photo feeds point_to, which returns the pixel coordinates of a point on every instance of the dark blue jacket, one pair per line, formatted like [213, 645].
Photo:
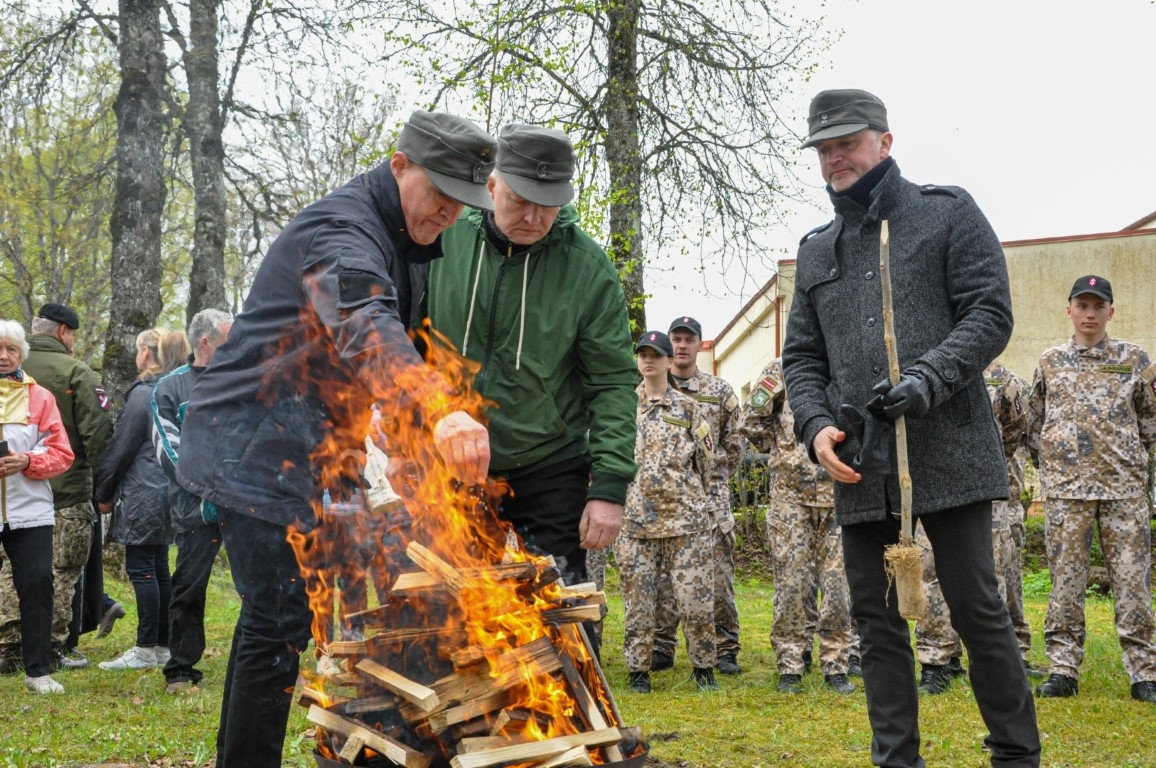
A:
[322, 335]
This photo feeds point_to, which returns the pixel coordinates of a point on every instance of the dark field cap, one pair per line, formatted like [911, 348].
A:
[656, 340]
[686, 323]
[61, 314]
[840, 113]
[1093, 284]
[537, 163]
[456, 154]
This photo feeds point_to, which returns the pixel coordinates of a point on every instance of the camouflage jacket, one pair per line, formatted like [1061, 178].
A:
[720, 408]
[1092, 419]
[674, 450]
[1007, 391]
[768, 423]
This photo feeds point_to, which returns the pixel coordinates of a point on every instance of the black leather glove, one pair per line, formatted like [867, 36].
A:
[876, 436]
[910, 397]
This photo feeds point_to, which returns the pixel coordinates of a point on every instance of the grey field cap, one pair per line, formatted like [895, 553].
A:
[537, 163]
[842, 112]
[457, 155]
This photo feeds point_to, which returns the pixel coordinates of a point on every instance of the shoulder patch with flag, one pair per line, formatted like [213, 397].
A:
[702, 432]
[102, 397]
[765, 391]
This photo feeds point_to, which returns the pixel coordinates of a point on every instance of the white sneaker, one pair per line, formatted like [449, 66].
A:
[43, 684]
[162, 654]
[134, 658]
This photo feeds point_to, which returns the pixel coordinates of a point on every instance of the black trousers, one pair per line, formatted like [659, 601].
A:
[961, 541]
[197, 549]
[272, 631]
[29, 553]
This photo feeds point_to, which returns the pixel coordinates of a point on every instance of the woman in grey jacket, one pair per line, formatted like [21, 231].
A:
[133, 486]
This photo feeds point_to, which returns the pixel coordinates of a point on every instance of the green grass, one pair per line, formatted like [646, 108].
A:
[126, 717]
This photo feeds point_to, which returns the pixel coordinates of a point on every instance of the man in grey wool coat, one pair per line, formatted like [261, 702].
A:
[952, 317]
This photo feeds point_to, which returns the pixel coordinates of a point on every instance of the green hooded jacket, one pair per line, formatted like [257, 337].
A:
[83, 408]
[549, 328]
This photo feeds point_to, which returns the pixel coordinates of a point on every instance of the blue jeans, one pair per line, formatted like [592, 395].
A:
[961, 541]
[272, 631]
[196, 551]
[147, 566]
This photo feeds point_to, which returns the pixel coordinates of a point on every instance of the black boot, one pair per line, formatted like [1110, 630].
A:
[839, 684]
[790, 684]
[807, 661]
[1058, 686]
[660, 661]
[704, 679]
[955, 667]
[728, 666]
[1145, 690]
[639, 682]
[934, 679]
[854, 666]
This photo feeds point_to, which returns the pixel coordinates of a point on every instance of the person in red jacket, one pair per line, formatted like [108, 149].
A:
[33, 448]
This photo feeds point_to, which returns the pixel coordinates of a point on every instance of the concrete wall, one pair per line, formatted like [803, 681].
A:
[1042, 273]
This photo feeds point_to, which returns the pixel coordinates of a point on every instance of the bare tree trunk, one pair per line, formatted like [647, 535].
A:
[622, 154]
[140, 190]
[202, 126]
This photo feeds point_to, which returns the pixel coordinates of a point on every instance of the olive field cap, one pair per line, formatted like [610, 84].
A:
[61, 314]
[457, 155]
[687, 323]
[1093, 284]
[656, 340]
[537, 163]
[840, 113]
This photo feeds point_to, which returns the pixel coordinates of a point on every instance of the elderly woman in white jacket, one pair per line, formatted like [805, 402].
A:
[33, 448]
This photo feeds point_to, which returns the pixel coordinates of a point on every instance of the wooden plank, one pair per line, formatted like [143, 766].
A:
[578, 756]
[450, 577]
[573, 614]
[586, 704]
[464, 657]
[307, 697]
[393, 750]
[587, 592]
[419, 695]
[345, 648]
[439, 721]
[370, 704]
[536, 750]
[483, 743]
[421, 581]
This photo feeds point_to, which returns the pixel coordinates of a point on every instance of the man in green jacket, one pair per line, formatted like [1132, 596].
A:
[83, 407]
[537, 303]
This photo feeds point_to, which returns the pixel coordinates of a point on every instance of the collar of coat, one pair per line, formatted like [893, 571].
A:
[883, 197]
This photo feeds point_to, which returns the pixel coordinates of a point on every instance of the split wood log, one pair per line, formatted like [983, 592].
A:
[352, 749]
[340, 649]
[393, 750]
[586, 704]
[417, 694]
[536, 750]
[484, 743]
[307, 696]
[572, 614]
[588, 592]
[421, 581]
[439, 721]
[514, 721]
[450, 577]
[578, 756]
[576, 633]
[370, 704]
[468, 656]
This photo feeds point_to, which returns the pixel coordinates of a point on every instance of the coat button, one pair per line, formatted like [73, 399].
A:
[870, 322]
[869, 275]
[876, 370]
[834, 271]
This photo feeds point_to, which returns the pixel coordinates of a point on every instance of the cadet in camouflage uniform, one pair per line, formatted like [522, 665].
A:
[83, 407]
[805, 543]
[1092, 421]
[668, 526]
[936, 644]
[721, 409]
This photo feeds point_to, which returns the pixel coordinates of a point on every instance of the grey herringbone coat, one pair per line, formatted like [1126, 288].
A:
[952, 317]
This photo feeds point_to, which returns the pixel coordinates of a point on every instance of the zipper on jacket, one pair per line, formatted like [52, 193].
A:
[3, 501]
[480, 381]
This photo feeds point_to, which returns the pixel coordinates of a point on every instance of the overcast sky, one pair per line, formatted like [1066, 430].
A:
[1045, 112]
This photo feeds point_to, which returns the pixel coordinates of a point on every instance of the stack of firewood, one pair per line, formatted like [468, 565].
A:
[418, 693]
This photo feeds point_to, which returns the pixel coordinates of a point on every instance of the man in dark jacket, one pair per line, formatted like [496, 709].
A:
[198, 536]
[952, 317]
[322, 336]
[83, 407]
[531, 297]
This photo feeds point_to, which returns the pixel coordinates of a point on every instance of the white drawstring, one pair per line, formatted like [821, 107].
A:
[474, 294]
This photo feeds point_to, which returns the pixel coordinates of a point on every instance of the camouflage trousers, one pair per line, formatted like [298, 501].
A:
[936, 642]
[71, 541]
[726, 612]
[1127, 543]
[807, 552]
[685, 563]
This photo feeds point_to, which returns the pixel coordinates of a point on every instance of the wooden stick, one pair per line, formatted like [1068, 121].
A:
[586, 704]
[573, 614]
[407, 583]
[422, 697]
[393, 750]
[436, 567]
[536, 750]
[578, 634]
[893, 366]
[484, 743]
[439, 721]
[351, 750]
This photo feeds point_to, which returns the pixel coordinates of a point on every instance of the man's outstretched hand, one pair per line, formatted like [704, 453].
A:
[601, 521]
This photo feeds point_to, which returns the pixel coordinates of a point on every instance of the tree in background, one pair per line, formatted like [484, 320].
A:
[675, 106]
